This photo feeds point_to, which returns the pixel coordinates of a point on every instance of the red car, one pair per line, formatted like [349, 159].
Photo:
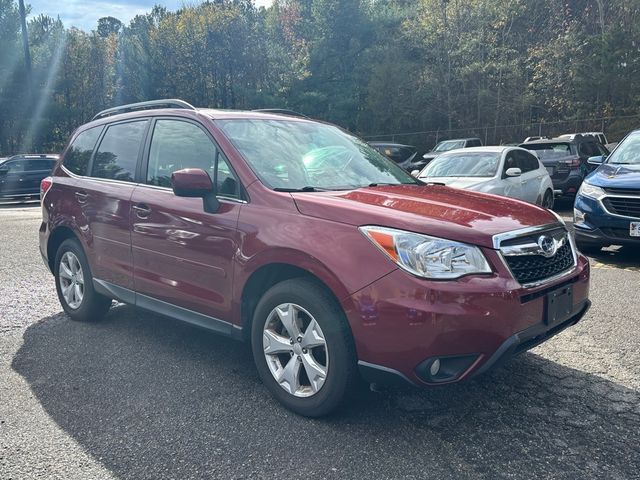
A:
[298, 237]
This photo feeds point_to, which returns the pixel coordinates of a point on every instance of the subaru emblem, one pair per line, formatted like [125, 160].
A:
[548, 246]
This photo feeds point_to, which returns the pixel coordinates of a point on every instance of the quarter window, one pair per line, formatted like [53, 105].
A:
[79, 153]
[117, 155]
[176, 145]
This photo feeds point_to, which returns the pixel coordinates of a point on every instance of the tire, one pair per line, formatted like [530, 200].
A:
[308, 301]
[74, 284]
[548, 200]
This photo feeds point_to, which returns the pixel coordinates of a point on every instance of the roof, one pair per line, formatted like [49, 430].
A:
[487, 149]
[390, 144]
[458, 139]
[35, 156]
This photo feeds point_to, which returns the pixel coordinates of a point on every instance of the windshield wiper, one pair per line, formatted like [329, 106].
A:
[302, 189]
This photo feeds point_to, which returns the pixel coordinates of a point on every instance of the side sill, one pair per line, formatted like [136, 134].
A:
[166, 309]
[110, 290]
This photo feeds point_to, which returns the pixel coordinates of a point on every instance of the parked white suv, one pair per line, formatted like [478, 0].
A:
[508, 171]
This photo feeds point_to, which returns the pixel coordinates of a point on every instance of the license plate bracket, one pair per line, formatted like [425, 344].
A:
[559, 305]
[634, 229]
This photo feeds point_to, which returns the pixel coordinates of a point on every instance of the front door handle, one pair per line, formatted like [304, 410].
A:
[81, 197]
[142, 210]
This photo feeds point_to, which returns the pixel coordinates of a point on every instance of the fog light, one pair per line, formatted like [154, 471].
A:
[435, 367]
[578, 217]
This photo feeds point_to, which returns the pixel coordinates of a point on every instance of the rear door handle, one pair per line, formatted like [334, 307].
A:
[81, 197]
[142, 210]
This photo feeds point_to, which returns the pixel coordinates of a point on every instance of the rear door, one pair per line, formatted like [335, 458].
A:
[182, 255]
[105, 200]
[35, 171]
[12, 183]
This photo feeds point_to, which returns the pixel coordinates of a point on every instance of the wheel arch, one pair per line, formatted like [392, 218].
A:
[59, 235]
[269, 274]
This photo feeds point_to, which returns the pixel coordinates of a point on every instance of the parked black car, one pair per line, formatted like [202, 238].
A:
[403, 155]
[20, 175]
[566, 159]
[445, 146]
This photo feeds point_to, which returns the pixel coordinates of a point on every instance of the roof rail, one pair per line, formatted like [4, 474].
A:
[168, 103]
[281, 111]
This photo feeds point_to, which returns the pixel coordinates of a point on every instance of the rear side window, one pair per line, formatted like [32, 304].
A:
[17, 166]
[474, 143]
[40, 165]
[117, 155]
[79, 153]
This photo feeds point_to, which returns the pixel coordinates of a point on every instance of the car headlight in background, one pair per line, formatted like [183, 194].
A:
[426, 256]
[591, 191]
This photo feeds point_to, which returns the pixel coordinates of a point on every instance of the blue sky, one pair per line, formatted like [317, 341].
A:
[85, 14]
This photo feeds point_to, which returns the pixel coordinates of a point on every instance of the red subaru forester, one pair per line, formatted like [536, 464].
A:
[298, 237]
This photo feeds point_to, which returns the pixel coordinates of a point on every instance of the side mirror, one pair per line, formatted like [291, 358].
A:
[597, 160]
[415, 173]
[513, 172]
[195, 183]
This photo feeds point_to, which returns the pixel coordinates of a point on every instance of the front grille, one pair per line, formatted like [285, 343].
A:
[627, 207]
[623, 191]
[534, 268]
[621, 233]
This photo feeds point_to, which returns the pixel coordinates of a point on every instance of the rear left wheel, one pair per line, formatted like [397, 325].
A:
[74, 284]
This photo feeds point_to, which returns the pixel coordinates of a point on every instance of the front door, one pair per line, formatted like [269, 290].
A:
[512, 185]
[182, 255]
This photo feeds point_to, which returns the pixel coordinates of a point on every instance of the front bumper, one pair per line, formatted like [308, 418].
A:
[601, 228]
[401, 323]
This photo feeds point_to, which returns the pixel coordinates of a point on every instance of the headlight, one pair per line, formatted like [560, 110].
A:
[425, 256]
[591, 191]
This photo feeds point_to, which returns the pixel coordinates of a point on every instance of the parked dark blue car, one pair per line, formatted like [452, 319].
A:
[607, 207]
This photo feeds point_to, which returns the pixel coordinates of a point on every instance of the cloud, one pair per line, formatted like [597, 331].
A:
[85, 14]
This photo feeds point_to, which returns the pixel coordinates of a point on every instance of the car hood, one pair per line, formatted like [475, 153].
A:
[457, 182]
[615, 176]
[460, 215]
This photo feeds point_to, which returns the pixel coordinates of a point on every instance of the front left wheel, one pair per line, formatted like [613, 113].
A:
[302, 347]
[548, 200]
[74, 284]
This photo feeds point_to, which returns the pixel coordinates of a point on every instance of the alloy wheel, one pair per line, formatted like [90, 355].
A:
[71, 280]
[295, 350]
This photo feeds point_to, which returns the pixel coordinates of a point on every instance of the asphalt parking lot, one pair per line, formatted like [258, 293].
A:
[139, 396]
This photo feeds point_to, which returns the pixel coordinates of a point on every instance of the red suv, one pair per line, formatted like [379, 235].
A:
[298, 237]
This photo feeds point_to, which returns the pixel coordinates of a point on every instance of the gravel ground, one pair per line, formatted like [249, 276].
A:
[139, 396]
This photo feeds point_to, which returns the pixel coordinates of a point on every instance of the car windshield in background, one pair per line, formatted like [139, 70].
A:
[473, 164]
[628, 152]
[299, 155]
[550, 151]
[449, 145]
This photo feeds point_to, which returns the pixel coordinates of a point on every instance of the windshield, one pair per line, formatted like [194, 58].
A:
[293, 155]
[475, 164]
[628, 152]
[563, 148]
[449, 145]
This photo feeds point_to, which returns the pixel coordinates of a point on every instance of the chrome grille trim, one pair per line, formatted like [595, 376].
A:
[527, 249]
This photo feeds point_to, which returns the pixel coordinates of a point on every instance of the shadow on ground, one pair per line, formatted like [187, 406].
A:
[151, 398]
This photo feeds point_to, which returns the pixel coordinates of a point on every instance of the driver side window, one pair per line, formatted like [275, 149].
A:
[509, 162]
[176, 145]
